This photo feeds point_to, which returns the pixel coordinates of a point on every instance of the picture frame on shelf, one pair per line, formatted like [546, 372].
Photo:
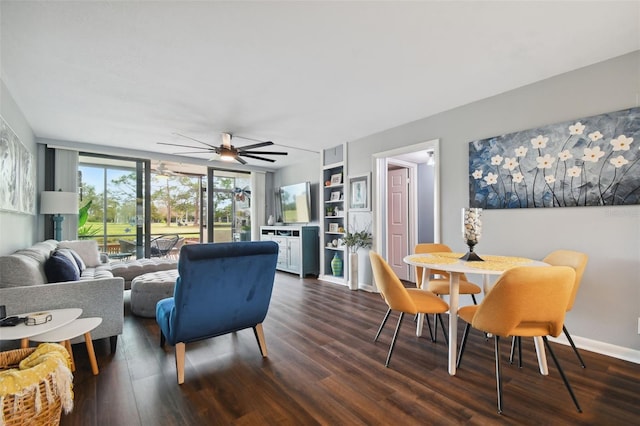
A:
[359, 192]
[336, 179]
[335, 196]
[333, 227]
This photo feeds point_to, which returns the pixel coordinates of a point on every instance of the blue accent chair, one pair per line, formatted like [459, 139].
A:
[221, 288]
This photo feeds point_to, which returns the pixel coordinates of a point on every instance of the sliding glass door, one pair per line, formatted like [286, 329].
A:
[112, 203]
[229, 206]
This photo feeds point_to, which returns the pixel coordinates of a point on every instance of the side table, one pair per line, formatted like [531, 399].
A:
[74, 329]
[22, 332]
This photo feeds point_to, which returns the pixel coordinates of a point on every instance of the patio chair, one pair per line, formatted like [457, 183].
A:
[161, 246]
[127, 246]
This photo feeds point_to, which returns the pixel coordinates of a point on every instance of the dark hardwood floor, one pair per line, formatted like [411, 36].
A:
[324, 368]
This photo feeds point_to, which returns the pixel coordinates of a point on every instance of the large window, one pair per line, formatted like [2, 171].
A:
[128, 204]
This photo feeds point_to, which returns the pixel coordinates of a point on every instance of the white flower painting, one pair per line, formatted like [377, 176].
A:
[17, 173]
[593, 161]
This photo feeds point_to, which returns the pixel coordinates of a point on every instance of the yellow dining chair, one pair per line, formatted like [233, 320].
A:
[577, 261]
[526, 301]
[399, 298]
[440, 286]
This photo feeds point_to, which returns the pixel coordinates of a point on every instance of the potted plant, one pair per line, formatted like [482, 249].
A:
[355, 241]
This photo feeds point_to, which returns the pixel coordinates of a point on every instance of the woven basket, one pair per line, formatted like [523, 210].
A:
[21, 410]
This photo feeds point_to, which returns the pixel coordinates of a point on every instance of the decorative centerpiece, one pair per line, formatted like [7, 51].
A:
[471, 231]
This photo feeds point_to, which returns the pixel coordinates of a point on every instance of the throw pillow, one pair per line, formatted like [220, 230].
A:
[86, 249]
[76, 258]
[58, 268]
[69, 256]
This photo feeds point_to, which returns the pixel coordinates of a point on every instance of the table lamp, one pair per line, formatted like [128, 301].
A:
[58, 203]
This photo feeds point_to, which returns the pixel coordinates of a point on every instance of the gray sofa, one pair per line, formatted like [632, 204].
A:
[24, 288]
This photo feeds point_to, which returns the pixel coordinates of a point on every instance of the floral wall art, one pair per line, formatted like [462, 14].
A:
[17, 173]
[592, 161]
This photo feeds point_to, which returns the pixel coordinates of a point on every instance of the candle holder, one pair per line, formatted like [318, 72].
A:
[471, 231]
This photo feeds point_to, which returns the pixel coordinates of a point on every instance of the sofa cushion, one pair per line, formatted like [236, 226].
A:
[102, 271]
[59, 268]
[86, 249]
[67, 253]
[76, 258]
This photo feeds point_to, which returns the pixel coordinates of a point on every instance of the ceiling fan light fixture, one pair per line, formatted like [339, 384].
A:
[227, 154]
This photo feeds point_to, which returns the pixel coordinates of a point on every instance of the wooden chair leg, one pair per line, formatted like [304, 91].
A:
[259, 332]
[180, 349]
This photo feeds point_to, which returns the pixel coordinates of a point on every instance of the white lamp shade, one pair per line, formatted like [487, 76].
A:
[58, 202]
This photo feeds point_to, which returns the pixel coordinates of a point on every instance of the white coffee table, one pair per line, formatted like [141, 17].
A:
[22, 332]
[67, 332]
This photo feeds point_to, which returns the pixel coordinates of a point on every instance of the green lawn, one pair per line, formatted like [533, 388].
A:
[222, 231]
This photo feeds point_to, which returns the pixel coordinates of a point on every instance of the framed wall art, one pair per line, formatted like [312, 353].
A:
[336, 179]
[592, 161]
[359, 196]
[17, 173]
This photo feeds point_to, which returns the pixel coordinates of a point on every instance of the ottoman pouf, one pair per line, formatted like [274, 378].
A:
[134, 268]
[148, 289]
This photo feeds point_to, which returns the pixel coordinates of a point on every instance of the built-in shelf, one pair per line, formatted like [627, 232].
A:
[333, 198]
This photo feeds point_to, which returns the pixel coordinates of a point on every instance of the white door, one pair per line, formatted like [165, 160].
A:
[398, 220]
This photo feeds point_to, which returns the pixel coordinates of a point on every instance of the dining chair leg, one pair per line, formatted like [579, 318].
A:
[513, 349]
[384, 321]
[463, 344]
[393, 341]
[434, 338]
[473, 297]
[564, 378]
[566, 333]
[426, 316]
[444, 331]
[498, 378]
[519, 338]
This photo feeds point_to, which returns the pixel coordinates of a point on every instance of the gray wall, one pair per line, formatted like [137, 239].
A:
[608, 304]
[17, 230]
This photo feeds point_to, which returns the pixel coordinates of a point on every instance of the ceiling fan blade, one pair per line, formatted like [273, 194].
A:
[208, 151]
[264, 152]
[182, 146]
[255, 145]
[195, 140]
[244, 154]
[240, 160]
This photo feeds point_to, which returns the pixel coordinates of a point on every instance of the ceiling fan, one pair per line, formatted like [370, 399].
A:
[162, 170]
[228, 152]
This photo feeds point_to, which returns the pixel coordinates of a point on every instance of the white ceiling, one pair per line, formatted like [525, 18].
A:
[302, 74]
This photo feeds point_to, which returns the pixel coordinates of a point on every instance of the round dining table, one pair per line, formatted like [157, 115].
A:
[492, 265]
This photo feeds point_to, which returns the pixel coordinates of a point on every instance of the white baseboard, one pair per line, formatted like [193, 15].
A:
[602, 348]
